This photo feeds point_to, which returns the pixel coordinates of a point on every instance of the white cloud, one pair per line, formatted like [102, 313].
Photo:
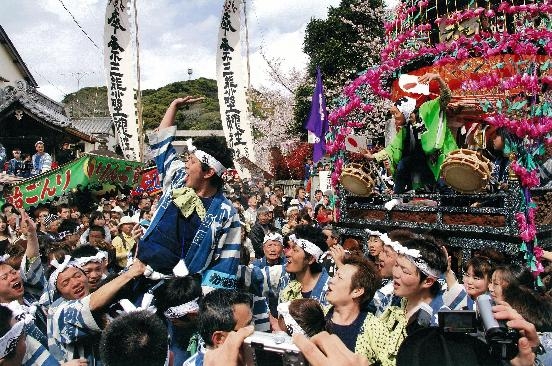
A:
[174, 35]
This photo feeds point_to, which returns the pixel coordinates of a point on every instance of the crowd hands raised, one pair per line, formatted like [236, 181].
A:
[344, 298]
[86, 288]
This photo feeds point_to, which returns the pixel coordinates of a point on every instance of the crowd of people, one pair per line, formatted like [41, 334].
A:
[25, 165]
[183, 277]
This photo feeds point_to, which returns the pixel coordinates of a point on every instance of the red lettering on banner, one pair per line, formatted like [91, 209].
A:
[46, 190]
[67, 179]
[58, 179]
[30, 187]
[17, 198]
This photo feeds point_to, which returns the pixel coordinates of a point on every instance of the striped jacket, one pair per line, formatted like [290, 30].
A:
[215, 249]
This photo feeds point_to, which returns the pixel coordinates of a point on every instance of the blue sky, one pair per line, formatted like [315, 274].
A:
[174, 36]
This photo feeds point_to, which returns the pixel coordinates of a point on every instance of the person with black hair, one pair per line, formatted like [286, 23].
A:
[195, 228]
[96, 219]
[12, 339]
[138, 338]
[220, 312]
[349, 292]
[477, 277]
[306, 277]
[25, 285]
[419, 264]
[76, 316]
[305, 316]
[91, 261]
[422, 142]
[263, 225]
[178, 300]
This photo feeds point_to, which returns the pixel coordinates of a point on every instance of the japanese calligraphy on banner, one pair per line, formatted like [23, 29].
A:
[86, 171]
[121, 77]
[232, 84]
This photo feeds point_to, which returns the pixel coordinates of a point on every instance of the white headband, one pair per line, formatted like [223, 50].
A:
[291, 324]
[98, 258]
[60, 267]
[307, 246]
[22, 312]
[406, 107]
[176, 312]
[146, 305]
[8, 342]
[393, 244]
[274, 237]
[205, 158]
[373, 233]
[414, 256]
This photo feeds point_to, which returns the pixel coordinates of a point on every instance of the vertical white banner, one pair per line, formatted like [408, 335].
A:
[121, 76]
[232, 84]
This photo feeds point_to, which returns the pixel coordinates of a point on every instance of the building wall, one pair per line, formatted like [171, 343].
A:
[8, 70]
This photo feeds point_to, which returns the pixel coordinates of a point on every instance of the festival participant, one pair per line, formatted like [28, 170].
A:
[301, 196]
[510, 275]
[420, 263]
[273, 247]
[308, 278]
[42, 161]
[304, 316]
[477, 277]
[24, 286]
[5, 237]
[75, 315]
[423, 141]
[221, 312]
[332, 240]
[349, 293]
[63, 211]
[91, 261]
[65, 154]
[262, 226]
[384, 296]
[178, 300]
[375, 244]
[194, 226]
[124, 242]
[292, 220]
[16, 166]
[250, 215]
[138, 338]
[96, 219]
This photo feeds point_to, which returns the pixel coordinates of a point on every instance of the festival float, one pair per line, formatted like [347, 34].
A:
[495, 58]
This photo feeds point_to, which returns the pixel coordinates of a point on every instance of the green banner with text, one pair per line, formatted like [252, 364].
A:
[88, 170]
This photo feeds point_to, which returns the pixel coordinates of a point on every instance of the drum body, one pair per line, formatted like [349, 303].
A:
[466, 171]
[357, 179]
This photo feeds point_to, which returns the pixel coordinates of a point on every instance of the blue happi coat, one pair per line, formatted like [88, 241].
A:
[214, 250]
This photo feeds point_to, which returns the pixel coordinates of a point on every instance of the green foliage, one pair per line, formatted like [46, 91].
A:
[341, 51]
[205, 115]
[87, 102]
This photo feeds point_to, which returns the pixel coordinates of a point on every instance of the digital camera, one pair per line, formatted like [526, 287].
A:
[501, 340]
[271, 349]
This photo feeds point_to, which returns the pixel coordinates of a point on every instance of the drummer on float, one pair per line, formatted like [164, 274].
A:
[423, 140]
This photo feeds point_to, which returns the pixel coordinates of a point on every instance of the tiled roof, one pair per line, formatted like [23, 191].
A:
[93, 125]
[38, 104]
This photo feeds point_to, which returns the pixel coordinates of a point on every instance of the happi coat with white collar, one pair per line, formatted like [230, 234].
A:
[214, 248]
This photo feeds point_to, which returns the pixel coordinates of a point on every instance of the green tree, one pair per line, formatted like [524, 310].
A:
[343, 45]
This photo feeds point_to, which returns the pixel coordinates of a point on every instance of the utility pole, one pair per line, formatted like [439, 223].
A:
[79, 75]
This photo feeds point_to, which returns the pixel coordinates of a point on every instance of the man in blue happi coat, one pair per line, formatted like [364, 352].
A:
[195, 229]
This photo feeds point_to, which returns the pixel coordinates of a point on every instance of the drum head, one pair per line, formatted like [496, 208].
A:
[356, 185]
[464, 178]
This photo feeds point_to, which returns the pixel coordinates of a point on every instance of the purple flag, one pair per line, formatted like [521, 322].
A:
[318, 119]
